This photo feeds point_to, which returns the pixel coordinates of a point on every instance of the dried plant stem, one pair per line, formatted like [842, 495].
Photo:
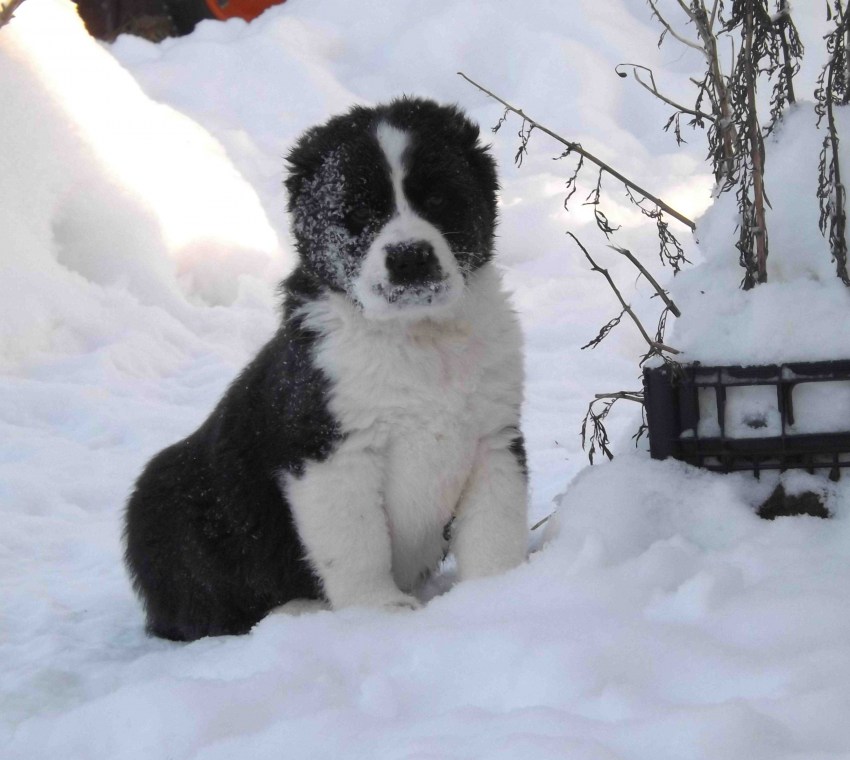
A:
[7, 10]
[704, 23]
[757, 156]
[838, 233]
[654, 90]
[833, 88]
[576, 148]
[542, 522]
[626, 395]
[652, 281]
[705, 29]
[653, 344]
[671, 30]
[846, 59]
[839, 197]
[788, 65]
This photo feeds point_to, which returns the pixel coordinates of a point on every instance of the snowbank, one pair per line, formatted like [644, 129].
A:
[109, 203]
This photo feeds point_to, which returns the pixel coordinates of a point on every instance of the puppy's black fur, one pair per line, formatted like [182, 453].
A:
[210, 541]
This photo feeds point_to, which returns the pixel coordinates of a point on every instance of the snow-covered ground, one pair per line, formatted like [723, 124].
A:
[142, 231]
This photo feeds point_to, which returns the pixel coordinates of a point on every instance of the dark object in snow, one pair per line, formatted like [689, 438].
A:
[386, 406]
[106, 19]
[688, 417]
[157, 19]
[782, 504]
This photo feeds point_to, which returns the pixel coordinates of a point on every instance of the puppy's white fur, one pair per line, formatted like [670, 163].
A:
[429, 410]
[428, 399]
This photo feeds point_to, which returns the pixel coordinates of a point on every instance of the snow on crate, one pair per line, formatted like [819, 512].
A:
[754, 411]
[764, 380]
[796, 315]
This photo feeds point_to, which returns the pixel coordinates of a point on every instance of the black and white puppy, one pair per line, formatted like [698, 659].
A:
[379, 427]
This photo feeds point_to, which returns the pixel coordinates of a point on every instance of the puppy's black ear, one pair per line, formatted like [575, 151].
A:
[317, 143]
[484, 165]
[469, 133]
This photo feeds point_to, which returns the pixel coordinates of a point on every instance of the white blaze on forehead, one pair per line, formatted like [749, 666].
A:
[372, 284]
[393, 143]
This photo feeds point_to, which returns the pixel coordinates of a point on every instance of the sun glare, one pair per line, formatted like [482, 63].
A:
[174, 166]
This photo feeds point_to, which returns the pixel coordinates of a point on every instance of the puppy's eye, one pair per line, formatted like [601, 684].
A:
[435, 201]
[360, 215]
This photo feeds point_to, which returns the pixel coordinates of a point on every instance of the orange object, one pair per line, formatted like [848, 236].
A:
[245, 9]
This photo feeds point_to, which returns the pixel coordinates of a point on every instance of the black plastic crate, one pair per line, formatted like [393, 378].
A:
[688, 415]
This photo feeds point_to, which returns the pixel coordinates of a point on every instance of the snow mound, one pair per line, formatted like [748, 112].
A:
[796, 314]
[109, 202]
[661, 619]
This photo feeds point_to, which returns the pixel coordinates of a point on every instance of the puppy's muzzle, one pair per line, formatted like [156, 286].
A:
[412, 263]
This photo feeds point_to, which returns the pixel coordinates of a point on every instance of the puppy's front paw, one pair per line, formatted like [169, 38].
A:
[386, 599]
[403, 602]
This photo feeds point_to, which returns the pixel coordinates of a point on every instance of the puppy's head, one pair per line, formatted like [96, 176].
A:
[394, 206]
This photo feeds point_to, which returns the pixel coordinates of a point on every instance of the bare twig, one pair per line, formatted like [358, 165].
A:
[783, 19]
[603, 332]
[671, 30]
[833, 86]
[7, 11]
[625, 395]
[572, 182]
[670, 251]
[597, 433]
[756, 153]
[576, 147]
[593, 198]
[719, 90]
[686, 9]
[654, 90]
[543, 521]
[653, 344]
[652, 281]
[713, 14]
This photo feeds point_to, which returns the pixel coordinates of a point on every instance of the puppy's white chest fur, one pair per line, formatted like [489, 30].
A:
[413, 401]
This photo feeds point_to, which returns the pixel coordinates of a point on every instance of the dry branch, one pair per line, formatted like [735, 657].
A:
[783, 20]
[7, 11]
[834, 88]
[625, 395]
[757, 154]
[719, 92]
[654, 90]
[652, 281]
[542, 522]
[576, 148]
[654, 345]
[671, 30]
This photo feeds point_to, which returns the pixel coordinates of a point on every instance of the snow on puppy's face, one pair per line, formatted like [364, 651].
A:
[394, 206]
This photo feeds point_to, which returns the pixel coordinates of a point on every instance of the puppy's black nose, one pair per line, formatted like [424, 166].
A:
[412, 263]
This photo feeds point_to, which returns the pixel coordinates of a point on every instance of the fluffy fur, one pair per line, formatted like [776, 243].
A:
[380, 426]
